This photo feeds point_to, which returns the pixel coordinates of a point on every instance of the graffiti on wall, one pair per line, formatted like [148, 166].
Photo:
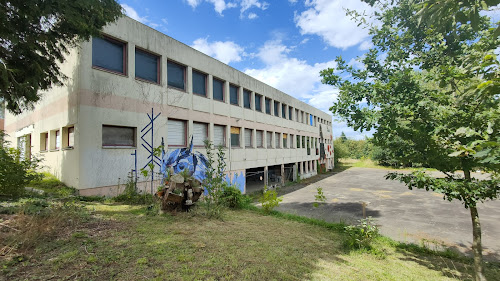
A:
[237, 179]
[185, 159]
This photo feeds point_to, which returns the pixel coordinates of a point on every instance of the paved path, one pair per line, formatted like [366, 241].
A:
[406, 215]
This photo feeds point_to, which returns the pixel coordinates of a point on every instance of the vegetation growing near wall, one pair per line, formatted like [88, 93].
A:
[269, 199]
[15, 171]
[52, 186]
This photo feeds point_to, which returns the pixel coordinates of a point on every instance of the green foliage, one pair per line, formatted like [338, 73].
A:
[320, 197]
[269, 200]
[36, 35]
[353, 149]
[15, 171]
[131, 196]
[214, 182]
[232, 198]
[52, 186]
[360, 236]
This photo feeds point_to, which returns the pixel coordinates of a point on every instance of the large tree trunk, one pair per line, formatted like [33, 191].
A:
[477, 248]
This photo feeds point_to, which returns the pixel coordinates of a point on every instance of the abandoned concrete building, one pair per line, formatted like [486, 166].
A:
[101, 124]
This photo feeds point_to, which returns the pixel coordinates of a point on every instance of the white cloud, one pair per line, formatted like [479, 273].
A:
[292, 1]
[365, 45]
[226, 52]
[328, 19]
[219, 5]
[129, 11]
[252, 16]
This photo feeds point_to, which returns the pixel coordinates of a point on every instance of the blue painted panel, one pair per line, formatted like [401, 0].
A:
[311, 119]
[238, 180]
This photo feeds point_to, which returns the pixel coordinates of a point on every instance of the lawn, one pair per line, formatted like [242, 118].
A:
[122, 242]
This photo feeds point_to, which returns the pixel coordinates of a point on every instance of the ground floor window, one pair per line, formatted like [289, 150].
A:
[118, 136]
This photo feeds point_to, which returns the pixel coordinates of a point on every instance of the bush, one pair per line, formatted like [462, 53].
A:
[52, 185]
[269, 200]
[361, 235]
[15, 171]
[232, 198]
[131, 196]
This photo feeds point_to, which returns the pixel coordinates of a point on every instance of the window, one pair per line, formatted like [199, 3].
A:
[297, 115]
[290, 111]
[218, 89]
[219, 135]
[176, 132]
[310, 119]
[248, 137]
[235, 137]
[303, 142]
[233, 94]
[147, 66]
[69, 136]
[200, 133]
[285, 141]
[291, 141]
[258, 102]
[199, 83]
[269, 140]
[298, 142]
[118, 136]
[268, 106]
[277, 140]
[260, 138]
[44, 141]
[109, 54]
[283, 110]
[176, 75]
[276, 107]
[247, 98]
[58, 140]
[24, 146]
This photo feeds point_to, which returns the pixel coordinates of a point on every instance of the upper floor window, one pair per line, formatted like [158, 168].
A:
[235, 137]
[199, 83]
[269, 139]
[276, 107]
[268, 106]
[233, 94]
[258, 102]
[147, 66]
[218, 89]
[109, 54]
[219, 135]
[200, 133]
[290, 111]
[247, 98]
[283, 110]
[248, 137]
[176, 75]
[176, 132]
[260, 138]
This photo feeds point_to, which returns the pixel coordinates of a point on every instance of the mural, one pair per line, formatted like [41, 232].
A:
[237, 179]
[185, 159]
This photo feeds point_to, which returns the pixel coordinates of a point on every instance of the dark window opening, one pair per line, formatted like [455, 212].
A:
[147, 66]
[233, 95]
[258, 102]
[218, 89]
[176, 75]
[199, 83]
[109, 54]
[118, 136]
[247, 98]
[268, 106]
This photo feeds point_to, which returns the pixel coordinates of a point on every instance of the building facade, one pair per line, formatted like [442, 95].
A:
[88, 130]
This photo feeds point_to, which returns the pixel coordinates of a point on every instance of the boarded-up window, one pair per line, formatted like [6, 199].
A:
[233, 94]
[108, 54]
[269, 139]
[247, 98]
[118, 136]
[218, 89]
[258, 102]
[248, 137]
[219, 135]
[199, 83]
[200, 133]
[147, 66]
[260, 141]
[176, 75]
[235, 137]
[71, 136]
[176, 133]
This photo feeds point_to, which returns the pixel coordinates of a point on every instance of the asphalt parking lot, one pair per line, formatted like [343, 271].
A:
[416, 216]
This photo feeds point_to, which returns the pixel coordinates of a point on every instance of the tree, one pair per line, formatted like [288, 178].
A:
[34, 38]
[435, 90]
[343, 137]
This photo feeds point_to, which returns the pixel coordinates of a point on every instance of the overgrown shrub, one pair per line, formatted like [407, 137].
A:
[131, 196]
[269, 200]
[15, 171]
[320, 197]
[215, 181]
[361, 235]
[52, 185]
[231, 197]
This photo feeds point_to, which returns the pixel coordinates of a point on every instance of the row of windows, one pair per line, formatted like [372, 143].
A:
[119, 136]
[111, 55]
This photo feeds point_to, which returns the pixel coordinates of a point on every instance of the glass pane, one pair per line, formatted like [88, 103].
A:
[258, 101]
[268, 106]
[283, 111]
[233, 92]
[175, 75]
[218, 90]
[246, 98]
[235, 140]
[118, 136]
[146, 66]
[276, 108]
[107, 54]
[71, 136]
[199, 83]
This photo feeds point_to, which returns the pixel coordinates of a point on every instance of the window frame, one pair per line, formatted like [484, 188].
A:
[283, 112]
[185, 122]
[184, 75]
[223, 89]
[231, 137]
[113, 40]
[206, 83]
[262, 139]
[266, 106]
[206, 136]
[260, 103]
[224, 139]
[276, 108]
[237, 95]
[158, 66]
[118, 145]
[249, 98]
[251, 138]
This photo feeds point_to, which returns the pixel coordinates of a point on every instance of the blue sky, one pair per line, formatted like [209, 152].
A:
[284, 43]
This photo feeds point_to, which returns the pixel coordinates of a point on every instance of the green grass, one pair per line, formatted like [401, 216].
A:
[123, 243]
[52, 186]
